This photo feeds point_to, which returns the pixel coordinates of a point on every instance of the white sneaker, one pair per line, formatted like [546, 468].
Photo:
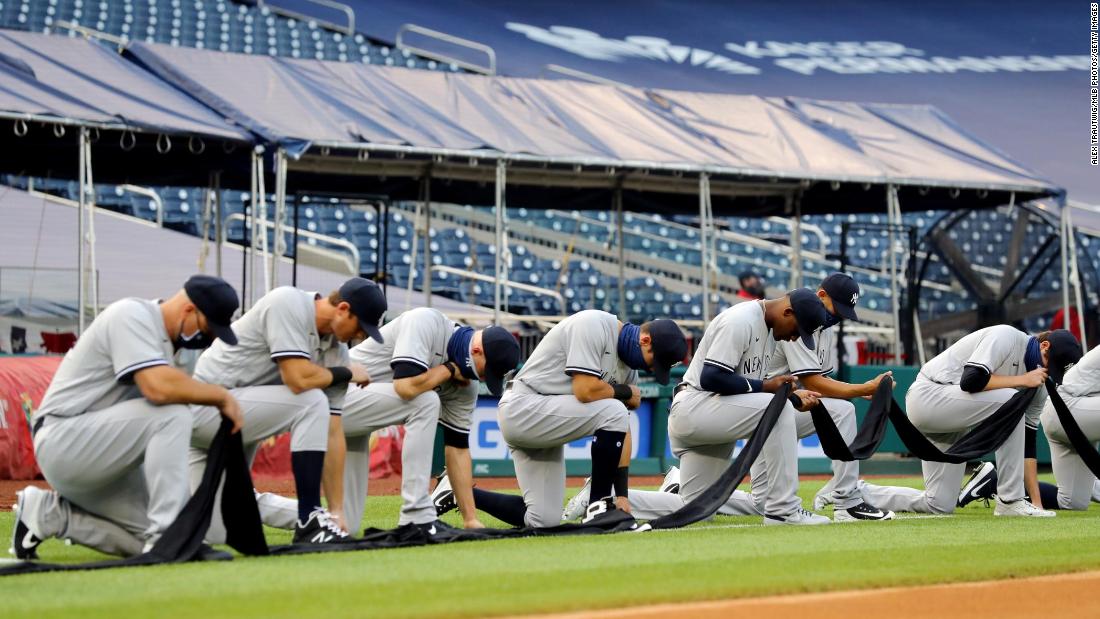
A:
[671, 482]
[822, 501]
[577, 505]
[799, 517]
[443, 497]
[24, 539]
[1096, 491]
[1021, 507]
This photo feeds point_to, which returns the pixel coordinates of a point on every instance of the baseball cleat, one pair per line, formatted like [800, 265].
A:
[1020, 507]
[24, 543]
[577, 505]
[861, 513]
[799, 517]
[438, 531]
[1096, 491]
[320, 528]
[982, 485]
[604, 513]
[822, 501]
[209, 553]
[443, 497]
[671, 482]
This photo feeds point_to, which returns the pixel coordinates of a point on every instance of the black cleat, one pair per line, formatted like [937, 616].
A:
[604, 514]
[438, 532]
[982, 485]
[443, 497]
[861, 513]
[319, 529]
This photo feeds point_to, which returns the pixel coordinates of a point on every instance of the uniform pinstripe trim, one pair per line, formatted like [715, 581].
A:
[719, 364]
[278, 354]
[807, 371]
[410, 360]
[454, 427]
[979, 365]
[588, 371]
[335, 412]
[141, 365]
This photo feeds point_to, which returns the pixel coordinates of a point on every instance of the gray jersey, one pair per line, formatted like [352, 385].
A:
[998, 350]
[1083, 379]
[281, 325]
[584, 343]
[417, 336]
[99, 370]
[737, 340]
[795, 359]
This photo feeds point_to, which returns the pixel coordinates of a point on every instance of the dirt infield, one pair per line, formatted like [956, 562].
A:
[1066, 596]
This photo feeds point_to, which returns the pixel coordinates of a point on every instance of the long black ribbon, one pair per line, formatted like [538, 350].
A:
[984, 438]
[710, 500]
[1077, 438]
[182, 539]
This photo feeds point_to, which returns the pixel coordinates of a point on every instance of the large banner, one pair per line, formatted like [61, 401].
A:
[23, 382]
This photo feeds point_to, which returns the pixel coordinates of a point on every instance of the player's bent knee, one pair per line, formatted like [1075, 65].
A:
[614, 415]
[312, 401]
[1070, 503]
[942, 507]
[542, 518]
[176, 417]
[427, 401]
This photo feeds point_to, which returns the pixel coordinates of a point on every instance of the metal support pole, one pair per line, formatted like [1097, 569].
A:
[893, 214]
[617, 200]
[219, 230]
[840, 350]
[426, 193]
[1063, 245]
[796, 240]
[414, 249]
[704, 235]
[500, 270]
[294, 241]
[93, 275]
[280, 215]
[81, 291]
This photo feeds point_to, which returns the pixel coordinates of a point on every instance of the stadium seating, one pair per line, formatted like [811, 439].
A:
[208, 24]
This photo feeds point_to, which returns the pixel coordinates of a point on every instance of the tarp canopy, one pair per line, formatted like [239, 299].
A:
[77, 79]
[297, 101]
[1015, 74]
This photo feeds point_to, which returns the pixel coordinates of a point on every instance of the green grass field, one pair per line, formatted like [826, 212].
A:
[726, 558]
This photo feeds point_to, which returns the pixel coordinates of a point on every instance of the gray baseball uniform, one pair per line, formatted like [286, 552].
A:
[116, 462]
[281, 325]
[796, 359]
[417, 336]
[539, 414]
[940, 409]
[1081, 391]
[704, 426]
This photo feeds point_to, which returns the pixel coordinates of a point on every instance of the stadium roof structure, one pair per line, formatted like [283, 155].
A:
[347, 119]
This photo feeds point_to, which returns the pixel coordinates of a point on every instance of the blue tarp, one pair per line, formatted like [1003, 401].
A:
[307, 101]
[75, 79]
[1014, 74]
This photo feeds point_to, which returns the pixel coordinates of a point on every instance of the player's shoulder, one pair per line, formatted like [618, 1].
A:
[286, 294]
[1007, 332]
[129, 308]
[422, 315]
[590, 319]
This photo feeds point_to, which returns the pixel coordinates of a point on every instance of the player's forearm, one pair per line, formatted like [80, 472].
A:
[301, 375]
[167, 385]
[412, 386]
[830, 388]
[999, 381]
[460, 472]
[624, 459]
[592, 390]
[332, 480]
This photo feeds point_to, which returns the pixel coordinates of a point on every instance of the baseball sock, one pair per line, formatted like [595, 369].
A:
[307, 467]
[507, 507]
[1049, 495]
[622, 481]
[607, 447]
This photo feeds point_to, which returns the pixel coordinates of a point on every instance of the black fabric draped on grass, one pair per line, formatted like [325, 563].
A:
[984, 438]
[1077, 438]
[182, 540]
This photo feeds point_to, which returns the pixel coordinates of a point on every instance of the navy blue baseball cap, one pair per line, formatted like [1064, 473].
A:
[809, 312]
[1064, 352]
[217, 301]
[669, 347]
[368, 304]
[844, 291]
[501, 357]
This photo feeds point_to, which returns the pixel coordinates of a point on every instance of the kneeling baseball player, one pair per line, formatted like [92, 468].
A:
[424, 374]
[724, 395]
[290, 371]
[812, 367]
[961, 387]
[580, 381]
[112, 432]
